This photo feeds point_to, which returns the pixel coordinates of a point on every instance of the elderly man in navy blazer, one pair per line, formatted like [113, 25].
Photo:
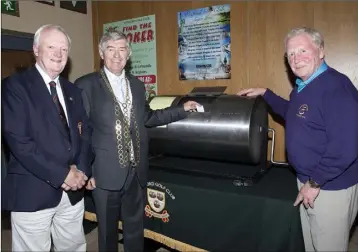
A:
[47, 131]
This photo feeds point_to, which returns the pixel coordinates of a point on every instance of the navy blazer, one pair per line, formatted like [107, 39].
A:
[40, 152]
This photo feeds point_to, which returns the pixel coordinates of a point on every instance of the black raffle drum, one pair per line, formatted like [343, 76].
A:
[228, 138]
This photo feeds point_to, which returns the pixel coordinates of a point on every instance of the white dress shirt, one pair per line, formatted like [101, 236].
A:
[47, 79]
[119, 87]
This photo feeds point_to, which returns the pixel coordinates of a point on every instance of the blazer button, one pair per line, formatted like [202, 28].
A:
[69, 149]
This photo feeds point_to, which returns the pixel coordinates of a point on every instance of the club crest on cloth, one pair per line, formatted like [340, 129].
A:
[157, 203]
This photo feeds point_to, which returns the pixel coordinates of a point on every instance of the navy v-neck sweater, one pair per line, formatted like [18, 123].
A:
[322, 130]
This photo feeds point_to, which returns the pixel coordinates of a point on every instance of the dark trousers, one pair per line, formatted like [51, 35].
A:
[128, 203]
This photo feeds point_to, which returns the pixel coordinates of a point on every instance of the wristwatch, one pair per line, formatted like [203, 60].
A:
[313, 184]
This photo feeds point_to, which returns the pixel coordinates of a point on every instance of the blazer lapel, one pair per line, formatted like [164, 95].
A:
[43, 96]
[69, 106]
[135, 97]
[104, 85]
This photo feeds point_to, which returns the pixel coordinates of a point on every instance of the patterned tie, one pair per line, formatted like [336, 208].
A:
[59, 107]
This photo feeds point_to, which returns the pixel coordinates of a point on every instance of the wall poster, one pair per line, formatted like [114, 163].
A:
[204, 43]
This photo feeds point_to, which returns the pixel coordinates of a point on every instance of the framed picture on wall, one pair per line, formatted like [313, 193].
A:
[10, 8]
[47, 2]
[78, 6]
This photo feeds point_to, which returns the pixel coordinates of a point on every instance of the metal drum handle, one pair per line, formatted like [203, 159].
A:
[273, 148]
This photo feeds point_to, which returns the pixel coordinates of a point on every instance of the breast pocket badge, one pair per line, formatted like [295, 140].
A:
[79, 127]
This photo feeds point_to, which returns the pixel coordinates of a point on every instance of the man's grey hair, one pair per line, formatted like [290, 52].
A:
[315, 35]
[49, 27]
[113, 35]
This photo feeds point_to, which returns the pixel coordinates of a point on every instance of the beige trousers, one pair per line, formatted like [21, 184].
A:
[326, 227]
[32, 231]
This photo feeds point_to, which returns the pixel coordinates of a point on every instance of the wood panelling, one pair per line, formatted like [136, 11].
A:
[268, 24]
[258, 30]
[339, 24]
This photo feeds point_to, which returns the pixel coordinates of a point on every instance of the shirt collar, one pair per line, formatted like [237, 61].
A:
[47, 79]
[112, 77]
[302, 84]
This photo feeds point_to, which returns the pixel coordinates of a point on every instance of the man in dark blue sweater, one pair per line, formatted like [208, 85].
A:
[321, 139]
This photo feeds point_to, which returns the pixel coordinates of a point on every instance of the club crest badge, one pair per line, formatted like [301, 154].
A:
[302, 110]
[79, 126]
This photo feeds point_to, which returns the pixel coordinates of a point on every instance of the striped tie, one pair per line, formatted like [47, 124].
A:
[59, 107]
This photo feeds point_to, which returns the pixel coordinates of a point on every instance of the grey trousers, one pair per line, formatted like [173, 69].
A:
[326, 227]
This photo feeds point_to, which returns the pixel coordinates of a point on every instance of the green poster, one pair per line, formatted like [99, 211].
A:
[141, 34]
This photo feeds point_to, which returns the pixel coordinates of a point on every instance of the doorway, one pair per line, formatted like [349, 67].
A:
[16, 55]
[16, 52]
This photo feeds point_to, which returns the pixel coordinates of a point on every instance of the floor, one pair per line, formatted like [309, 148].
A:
[91, 236]
[150, 246]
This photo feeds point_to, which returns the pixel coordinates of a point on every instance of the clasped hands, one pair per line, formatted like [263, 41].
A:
[75, 179]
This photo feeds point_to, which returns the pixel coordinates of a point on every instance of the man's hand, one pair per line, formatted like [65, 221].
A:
[91, 184]
[190, 106]
[75, 179]
[307, 194]
[65, 187]
[252, 92]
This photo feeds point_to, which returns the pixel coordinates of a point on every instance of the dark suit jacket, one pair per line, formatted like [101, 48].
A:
[99, 104]
[40, 152]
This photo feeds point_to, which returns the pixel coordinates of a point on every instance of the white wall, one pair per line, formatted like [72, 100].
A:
[77, 25]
